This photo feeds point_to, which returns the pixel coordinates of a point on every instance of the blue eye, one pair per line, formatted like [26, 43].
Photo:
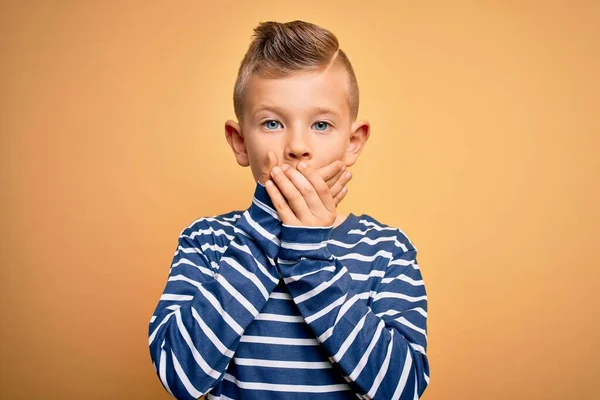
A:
[271, 124]
[321, 124]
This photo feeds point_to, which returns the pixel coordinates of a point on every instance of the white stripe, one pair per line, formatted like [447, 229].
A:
[367, 295]
[262, 231]
[327, 309]
[393, 295]
[363, 257]
[279, 340]
[234, 218]
[184, 379]
[404, 263]
[218, 220]
[404, 278]
[381, 228]
[162, 373]
[420, 310]
[418, 348]
[239, 231]
[416, 395]
[307, 227]
[288, 262]
[403, 376]
[295, 278]
[252, 277]
[209, 231]
[350, 339]
[280, 296]
[164, 321]
[265, 207]
[370, 242]
[190, 250]
[363, 361]
[287, 388]
[383, 369]
[215, 248]
[302, 246]
[208, 370]
[225, 222]
[202, 269]
[213, 301]
[219, 397]
[320, 288]
[211, 335]
[325, 335]
[262, 268]
[153, 318]
[279, 317]
[409, 324]
[238, 296]
[364, 277]
[388, 312]
[253, 362]
[176, 297]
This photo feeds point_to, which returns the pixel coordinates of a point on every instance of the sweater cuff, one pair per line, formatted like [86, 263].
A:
[298, 242]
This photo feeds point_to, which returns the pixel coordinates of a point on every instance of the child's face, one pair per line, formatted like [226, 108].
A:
[303, 117]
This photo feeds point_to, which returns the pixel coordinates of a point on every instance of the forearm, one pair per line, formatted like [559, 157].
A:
[200, 318]
[374, 353]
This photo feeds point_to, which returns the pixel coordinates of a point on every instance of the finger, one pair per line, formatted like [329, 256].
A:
[343, 181]
[336, 177]
[292, 191]
[280, 203]
[340, 196]
[329, 171]
[317, 193]
[270, 162]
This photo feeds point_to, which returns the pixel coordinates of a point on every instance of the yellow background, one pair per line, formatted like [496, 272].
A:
[484, 150]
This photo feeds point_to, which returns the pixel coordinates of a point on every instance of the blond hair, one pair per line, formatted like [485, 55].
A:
[281, 49]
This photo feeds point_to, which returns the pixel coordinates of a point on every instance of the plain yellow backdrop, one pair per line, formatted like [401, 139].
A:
[484, 149]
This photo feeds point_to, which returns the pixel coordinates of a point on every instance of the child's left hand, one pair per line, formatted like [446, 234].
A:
[301, 197]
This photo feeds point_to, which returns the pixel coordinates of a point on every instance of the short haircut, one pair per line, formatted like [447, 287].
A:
[281, 49]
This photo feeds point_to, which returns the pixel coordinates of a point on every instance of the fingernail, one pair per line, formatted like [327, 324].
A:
[284, 167]
[343, 167]
[302, 164]
[348, 174]
[276, 170]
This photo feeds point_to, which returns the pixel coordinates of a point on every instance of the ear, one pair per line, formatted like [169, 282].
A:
[359, 134]
[235, 138]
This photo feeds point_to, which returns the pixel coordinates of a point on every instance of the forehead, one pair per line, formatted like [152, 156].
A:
[302, 91]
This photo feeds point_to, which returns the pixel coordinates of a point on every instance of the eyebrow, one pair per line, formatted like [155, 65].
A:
[316, 110]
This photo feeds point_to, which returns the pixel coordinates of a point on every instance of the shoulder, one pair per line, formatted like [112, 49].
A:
[392, 238]
[212, 230]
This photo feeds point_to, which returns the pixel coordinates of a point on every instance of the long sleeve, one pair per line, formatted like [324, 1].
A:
[380, 348]
[207, 305]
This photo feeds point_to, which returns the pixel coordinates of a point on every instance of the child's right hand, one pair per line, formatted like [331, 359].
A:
[333, 174]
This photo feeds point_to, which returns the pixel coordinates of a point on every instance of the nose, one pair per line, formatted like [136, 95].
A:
[297, 146]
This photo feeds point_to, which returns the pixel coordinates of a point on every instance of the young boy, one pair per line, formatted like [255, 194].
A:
[289, 298]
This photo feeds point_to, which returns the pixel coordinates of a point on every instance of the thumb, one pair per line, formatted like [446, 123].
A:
[265, 171]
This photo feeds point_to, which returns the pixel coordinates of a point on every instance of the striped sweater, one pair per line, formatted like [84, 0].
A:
[256, 309]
